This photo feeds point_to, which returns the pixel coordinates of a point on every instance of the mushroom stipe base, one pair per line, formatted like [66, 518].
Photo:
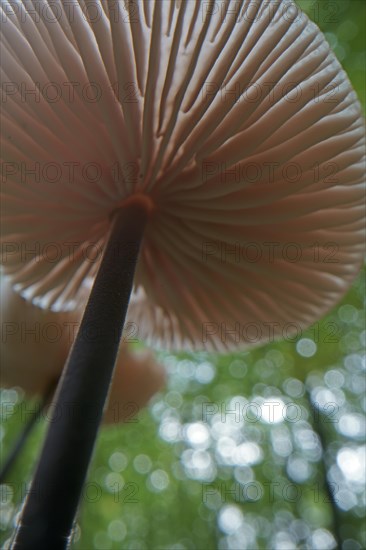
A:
[49, 510]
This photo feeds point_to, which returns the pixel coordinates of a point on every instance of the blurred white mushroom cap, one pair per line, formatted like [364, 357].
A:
[35, 344]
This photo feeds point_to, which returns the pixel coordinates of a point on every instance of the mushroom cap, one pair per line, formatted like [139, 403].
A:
[35, 345]
[137, 377]
[35, 342]
[234, 119]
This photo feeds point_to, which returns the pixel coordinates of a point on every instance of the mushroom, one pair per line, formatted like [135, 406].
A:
[35, 344]
[224, 138]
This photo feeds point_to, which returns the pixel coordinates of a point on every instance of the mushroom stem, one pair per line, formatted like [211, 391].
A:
[22, 438]
[329, 489]
[48, 513]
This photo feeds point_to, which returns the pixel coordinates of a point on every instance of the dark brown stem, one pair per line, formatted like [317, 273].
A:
[49, 511]
[23, 436]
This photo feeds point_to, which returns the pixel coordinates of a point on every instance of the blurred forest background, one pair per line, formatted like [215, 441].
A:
[183, 476]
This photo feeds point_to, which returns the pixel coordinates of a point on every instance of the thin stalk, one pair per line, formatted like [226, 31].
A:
[23, 436]
[49, 511]
[329, 490]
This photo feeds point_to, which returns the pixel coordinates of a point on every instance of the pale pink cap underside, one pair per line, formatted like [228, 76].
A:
[187, 135]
